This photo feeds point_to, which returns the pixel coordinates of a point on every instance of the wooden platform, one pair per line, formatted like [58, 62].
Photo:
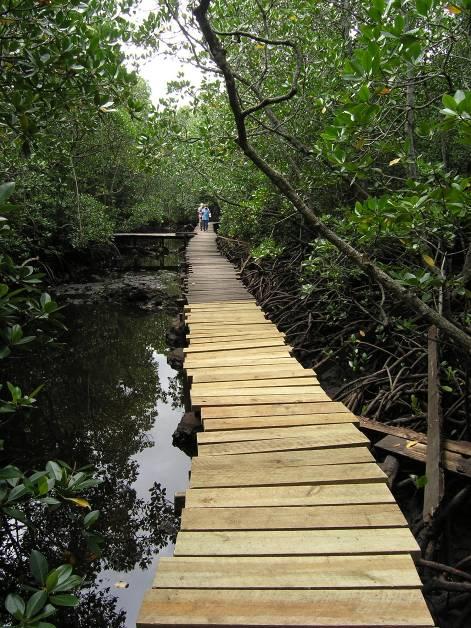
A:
[288, 520]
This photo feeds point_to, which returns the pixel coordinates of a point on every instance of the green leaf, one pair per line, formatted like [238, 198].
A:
[10, 472]
[48, 610]
[15, 605]
[73, 582]
[64, 600]
[91, 518]
[64, 572]
[45, 298]
[54, 470]
[364, 93]
[38, 566]
[17, 493]
[423, 7]
[14, 513]
[35, 603]
[449, 102]
[43, 486]
[51, 580]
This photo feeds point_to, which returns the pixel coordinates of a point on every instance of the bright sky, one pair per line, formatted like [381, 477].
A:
[160, 69]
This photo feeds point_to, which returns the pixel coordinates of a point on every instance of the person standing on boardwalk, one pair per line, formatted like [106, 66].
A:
[200, 218]
[205, 216]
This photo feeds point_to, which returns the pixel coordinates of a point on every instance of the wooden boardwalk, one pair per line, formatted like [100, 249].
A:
[288, 520]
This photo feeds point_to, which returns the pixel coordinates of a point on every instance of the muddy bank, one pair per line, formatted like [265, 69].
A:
[146, 290]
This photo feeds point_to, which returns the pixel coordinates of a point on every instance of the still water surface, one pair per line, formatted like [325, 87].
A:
[111, 400]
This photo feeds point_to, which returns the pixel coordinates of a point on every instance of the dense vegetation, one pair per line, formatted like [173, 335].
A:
[334, 136]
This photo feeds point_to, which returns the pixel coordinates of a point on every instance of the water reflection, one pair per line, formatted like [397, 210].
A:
[105, 396]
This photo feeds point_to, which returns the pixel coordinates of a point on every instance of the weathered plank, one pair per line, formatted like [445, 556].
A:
[287, 572]
[242, 357]
[209, 387]
[259, 399]
[295, 542]
[223, 317]
[275, 608]
[234, 344]
[197, 337]
[272, 409]
[278, 357]
[284, 459]
[459, 446]
[240, 423]
[294, 518]
[277, 444]
[452, 461]
[307, 495]
[322, 433]
[254, 372]
[292, 476]
[218, 307]
[232, 390]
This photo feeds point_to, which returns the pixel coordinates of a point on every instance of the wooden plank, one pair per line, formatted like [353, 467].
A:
[294, 518]
[275, 496]
[216, 304]
[253, 383]
[233, 390]
[201, 292]
[295, 542]
[236, 357]
[243, 360]
[320, 432]
[251, 400]
[374, 608]
[462, 447]
[200, 298]
[418, 451]
[283, 459]
[208, 325]
[238, 354]
[232, 331]
[286, 572]
[234, 344]
[272, 409]
[217, 307]
[254, 372]
[264, 608]
[210, 328]
[226, 317]
[276, 444]
[312, 475]
[284, 360]
[226, 336]
[279, 421]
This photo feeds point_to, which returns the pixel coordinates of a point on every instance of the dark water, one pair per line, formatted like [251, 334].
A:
[110, 400]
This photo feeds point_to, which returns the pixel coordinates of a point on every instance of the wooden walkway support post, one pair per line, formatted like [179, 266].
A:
[433, 468]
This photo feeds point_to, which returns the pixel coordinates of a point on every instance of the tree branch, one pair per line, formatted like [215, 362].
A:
[394, 288]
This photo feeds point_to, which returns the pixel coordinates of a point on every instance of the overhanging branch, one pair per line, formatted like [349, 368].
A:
[393, 287]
